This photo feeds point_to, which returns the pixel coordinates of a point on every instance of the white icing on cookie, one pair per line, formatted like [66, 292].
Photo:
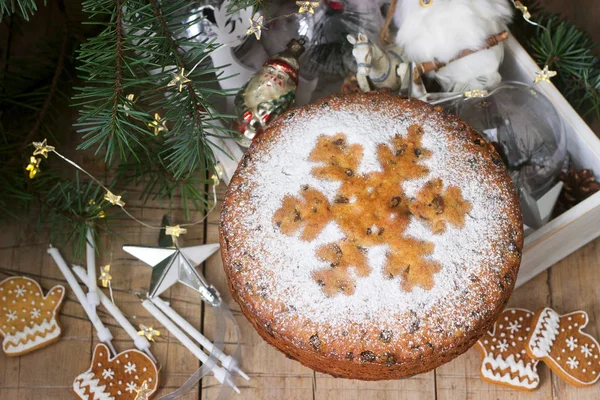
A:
[87, 382]
[491, 368]
[546, 330]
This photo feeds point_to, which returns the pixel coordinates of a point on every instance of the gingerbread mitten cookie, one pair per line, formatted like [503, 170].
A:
[505, 361]
[28, 319]
[559, 342]
[122, 377]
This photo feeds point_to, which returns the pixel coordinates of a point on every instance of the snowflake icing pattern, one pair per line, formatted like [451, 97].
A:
[572, 362]
[572, 343]
[108, 374]
[130, 368]
[11, 315]
[514, 327]
[131, 387]
[372, 209]
[35, 313]
[502, 346]
[20, 291]
[585, 349]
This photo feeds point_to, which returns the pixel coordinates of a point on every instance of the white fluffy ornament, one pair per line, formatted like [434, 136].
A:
[440, 29]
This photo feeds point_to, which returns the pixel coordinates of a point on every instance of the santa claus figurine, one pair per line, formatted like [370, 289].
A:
[270, 92]
[454, 34]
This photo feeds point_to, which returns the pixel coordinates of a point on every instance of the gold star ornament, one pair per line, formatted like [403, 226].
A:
[33, 167]
[113, 199]
[307, 6]
[105, 276]
[143, 392]
[256, 27]
[179, 80]
[523, 8]
[42, 148]
[216, 177]
[148, 331]
[175, 231]
[476, 93]
[158, 125]
[544, 75]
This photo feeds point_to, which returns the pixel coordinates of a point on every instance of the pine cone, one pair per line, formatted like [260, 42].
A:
[578, 186]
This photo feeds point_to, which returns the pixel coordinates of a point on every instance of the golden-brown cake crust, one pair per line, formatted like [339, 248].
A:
[370, 236]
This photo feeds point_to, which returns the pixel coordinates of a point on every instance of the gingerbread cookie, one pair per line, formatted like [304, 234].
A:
[28, 319]
[122, 377]
[505, 361]
[560, 343]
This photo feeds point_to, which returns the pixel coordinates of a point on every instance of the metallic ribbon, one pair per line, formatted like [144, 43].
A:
[223, 313]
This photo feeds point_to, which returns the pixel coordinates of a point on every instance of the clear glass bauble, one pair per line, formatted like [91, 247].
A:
[526, 129]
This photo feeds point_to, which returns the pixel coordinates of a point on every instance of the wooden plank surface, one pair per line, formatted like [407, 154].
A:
[569, 285]
[48, 373]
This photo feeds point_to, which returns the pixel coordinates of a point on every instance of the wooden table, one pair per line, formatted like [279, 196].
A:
[49, 373]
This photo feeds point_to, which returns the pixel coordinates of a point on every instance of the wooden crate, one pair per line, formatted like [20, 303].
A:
[580, 225]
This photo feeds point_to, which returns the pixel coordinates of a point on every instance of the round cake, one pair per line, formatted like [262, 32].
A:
[370, 236]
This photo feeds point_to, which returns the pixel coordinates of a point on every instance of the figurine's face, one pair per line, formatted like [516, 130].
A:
[362, 52]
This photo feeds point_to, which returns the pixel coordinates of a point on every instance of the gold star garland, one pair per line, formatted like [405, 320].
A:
[256, 27]
[475, 93]
[178, 80]
[526, 14]
[158, 125]
[544, 75]
[100, 212]
[143, 392]
[130, 101]
[148, 331]
[175, 231]
[216, 177]
[42, 148]
[33, 167]
[105, 276]
[307, 6]
[113, 199]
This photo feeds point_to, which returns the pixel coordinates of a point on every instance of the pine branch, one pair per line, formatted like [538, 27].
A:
[570, 52]
[22, 8]
[109, 66]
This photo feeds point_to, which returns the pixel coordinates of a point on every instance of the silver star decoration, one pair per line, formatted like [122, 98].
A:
[177, 264]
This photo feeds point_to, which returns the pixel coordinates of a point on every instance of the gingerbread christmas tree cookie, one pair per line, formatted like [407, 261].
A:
[28, 319]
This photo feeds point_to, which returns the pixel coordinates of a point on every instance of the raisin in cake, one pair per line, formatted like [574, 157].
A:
[370, 236]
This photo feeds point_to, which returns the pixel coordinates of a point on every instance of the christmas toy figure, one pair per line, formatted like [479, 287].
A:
[377, 68]
[442, 31]
[270, 92]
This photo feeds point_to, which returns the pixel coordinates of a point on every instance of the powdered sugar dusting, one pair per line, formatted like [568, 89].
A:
[282, 264]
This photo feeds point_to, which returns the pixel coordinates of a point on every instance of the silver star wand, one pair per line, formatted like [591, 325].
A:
[171, 264]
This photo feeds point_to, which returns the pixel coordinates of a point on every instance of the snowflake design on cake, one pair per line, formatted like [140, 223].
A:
[371, 210]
